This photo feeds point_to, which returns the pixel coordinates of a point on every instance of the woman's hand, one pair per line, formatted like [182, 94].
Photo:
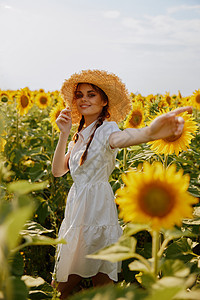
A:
[169, 124]
[64, 120]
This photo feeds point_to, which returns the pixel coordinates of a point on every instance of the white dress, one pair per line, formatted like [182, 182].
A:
[91, 220]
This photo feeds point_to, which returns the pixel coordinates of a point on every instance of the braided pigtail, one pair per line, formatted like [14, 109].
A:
[82, 122]
[103, 115]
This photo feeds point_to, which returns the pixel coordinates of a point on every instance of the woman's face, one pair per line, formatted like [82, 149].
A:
[89, 102]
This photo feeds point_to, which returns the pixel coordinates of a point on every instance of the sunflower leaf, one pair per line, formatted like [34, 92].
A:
[164, 293]
[180, 249]
[24, 187]
[137, 265]
[132, 229]
[122, 250]
[176, 268]
[177, 233]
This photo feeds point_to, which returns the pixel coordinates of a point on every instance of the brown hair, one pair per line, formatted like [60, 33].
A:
[103, 115]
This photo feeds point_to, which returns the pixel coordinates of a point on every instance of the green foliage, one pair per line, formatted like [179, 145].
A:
[14, 213]
[112, 293]
[28, 153]
[176, 264]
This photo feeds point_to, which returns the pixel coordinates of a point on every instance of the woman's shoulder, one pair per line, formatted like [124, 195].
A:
[110, 124]
[108, 127]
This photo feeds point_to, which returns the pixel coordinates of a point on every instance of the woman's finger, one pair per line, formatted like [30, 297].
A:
[182, 109]
[64, 119]
[66, 110]
[179, 125]
[180, 120]
[179, 129]
[64, 116]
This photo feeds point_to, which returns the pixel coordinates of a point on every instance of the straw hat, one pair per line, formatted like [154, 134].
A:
[118, 97]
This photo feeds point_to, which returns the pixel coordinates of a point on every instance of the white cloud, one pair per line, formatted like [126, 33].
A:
[162, 30]
[111, 14]
[5, 6]
[183, 7]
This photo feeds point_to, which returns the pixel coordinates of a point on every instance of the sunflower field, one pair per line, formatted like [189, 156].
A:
[157, 189]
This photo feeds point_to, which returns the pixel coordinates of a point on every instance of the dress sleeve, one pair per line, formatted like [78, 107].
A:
[109, 128]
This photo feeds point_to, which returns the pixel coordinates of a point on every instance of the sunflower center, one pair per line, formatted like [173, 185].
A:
[156, 201]
[172, 138]
[168, 99]
[43, 100]
[24, 101]
[136, 118]
[198, 98]
[4, 98]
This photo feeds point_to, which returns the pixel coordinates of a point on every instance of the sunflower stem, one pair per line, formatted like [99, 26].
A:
[155, 249]
[163, 246]
[52, 140]
[53, 182]
[125, 159]
[52, 147]
[17, 130]
[165, 161]
[196, 114]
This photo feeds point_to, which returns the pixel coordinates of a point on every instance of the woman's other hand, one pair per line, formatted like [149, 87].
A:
[169, 124]
[64, 120]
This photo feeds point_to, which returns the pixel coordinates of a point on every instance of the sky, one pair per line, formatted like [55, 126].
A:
[152, 45]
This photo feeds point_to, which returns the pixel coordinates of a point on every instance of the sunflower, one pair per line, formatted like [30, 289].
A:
[187, 101]
[61, 101]
[13, 95]
[152, 107]
[132, 96]
[176, 144]
[184, 101]
[135, 118]
[166, 98]
[138, 98]
[55, 94]
[54, 113]
[177, 102]
[156, 196]
[162, 103]
[43, 100]
[150, 98]
[4, 96]
[195, 98]
[29, 92]
[24, 102]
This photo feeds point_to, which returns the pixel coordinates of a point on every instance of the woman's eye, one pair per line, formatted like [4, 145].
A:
[91, 95]
[78, 95]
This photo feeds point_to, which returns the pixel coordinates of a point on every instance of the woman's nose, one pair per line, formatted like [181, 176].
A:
[84, 98]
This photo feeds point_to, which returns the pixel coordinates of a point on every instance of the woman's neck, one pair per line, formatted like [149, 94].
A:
[90, 119]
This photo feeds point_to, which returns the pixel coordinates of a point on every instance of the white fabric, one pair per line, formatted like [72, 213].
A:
[91, 220]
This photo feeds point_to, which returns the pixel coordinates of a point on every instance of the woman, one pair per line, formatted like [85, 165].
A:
[91, 222]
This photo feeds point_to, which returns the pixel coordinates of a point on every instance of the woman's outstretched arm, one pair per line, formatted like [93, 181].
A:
[162, 127]
[60, 159]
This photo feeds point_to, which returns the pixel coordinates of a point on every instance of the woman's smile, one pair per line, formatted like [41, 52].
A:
[84, 105]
